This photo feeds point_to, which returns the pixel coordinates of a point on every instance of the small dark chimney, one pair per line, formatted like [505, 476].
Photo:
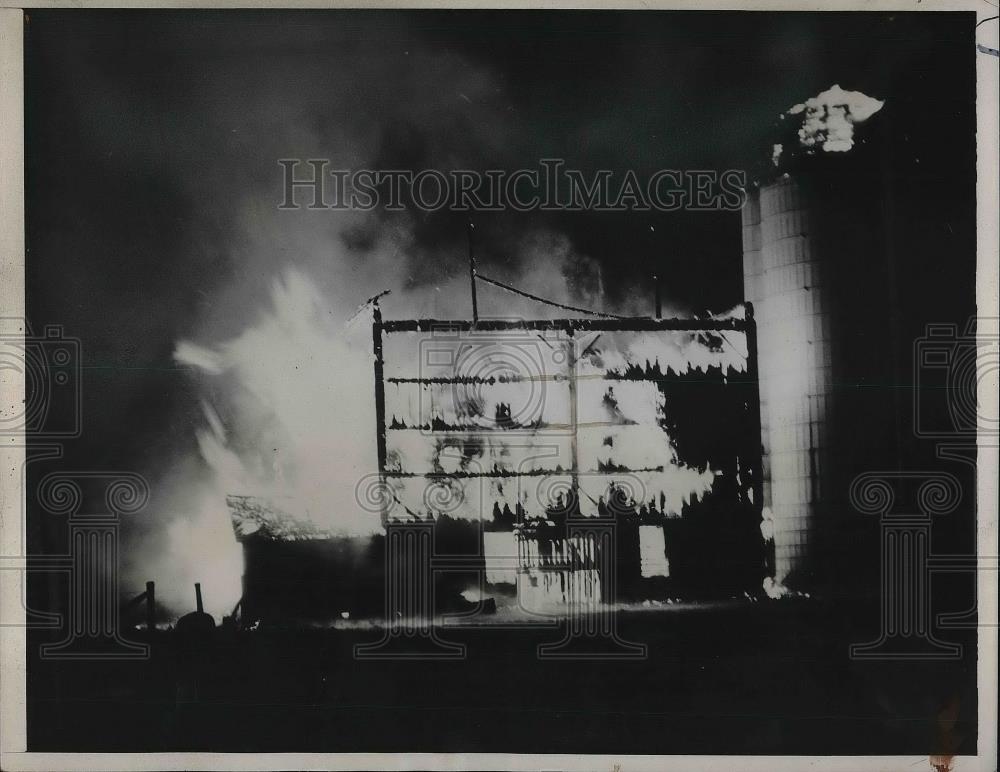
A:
[197, 595]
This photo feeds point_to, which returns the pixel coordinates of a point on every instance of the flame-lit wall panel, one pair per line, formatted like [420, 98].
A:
[605, 402]
[473, 498]
[500, 556]
[446, 353]
[631, 446]
[465, 498]
[475, 405]
[412, 450]
[479, 419]
[653, 552]
[676, 351]
[784, 280]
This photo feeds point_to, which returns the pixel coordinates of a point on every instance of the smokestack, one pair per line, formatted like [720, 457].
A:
[197, 596]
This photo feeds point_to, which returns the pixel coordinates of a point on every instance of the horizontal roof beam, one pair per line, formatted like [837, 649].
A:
[638, 324]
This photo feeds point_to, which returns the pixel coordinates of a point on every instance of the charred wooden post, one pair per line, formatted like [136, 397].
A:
[409, 546]
[472, 275]
[150, 606]
[246, 608]
[197, 626]
[377, 327]
[753, 376]
[573, 421]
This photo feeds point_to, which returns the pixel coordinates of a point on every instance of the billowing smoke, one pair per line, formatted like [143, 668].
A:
[828, 120]
[284, 382]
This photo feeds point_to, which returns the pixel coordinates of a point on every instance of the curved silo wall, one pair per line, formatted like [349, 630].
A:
[784, 281]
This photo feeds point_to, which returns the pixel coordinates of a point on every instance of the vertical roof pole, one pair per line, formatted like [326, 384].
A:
[472, 274]
[379, 403]
[573, 419]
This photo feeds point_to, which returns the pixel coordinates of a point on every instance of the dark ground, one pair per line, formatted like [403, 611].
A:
[749, 678]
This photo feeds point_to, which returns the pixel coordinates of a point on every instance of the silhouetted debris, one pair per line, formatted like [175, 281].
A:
[197, 627]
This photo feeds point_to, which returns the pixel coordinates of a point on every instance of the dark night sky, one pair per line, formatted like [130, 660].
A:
[152, 182]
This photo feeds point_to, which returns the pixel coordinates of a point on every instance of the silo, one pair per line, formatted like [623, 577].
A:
[783, 279]
[815, 266]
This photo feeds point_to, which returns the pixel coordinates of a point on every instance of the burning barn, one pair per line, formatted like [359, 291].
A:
[555, 462]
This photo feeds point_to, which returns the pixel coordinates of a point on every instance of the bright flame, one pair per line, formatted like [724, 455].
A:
[302, 419]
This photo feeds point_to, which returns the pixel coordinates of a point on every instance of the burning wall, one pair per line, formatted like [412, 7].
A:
[538, 428]
[484, 425]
